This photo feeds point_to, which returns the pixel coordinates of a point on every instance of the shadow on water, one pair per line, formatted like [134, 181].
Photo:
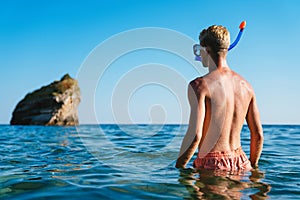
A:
[208, 184]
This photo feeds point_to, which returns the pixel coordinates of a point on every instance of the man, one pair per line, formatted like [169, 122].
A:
[220, 102]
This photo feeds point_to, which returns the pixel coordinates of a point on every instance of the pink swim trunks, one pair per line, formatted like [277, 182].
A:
[225, 160]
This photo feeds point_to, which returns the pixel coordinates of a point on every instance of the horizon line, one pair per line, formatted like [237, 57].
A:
[92, 124]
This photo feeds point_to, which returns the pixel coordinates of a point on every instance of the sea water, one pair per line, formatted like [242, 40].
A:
[136, 162]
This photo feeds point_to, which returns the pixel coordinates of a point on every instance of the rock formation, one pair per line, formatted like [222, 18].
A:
[54, 104]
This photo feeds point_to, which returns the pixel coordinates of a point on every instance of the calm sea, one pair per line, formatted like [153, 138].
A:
[136, 162]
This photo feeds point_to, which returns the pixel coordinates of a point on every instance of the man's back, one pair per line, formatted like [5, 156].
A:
[227, 99]
[220, 102]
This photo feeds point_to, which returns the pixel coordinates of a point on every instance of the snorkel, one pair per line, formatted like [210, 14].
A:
[196, 47]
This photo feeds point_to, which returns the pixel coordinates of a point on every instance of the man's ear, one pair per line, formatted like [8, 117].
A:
[208, 50]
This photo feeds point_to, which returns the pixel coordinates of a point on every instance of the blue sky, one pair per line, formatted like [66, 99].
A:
[40, 41]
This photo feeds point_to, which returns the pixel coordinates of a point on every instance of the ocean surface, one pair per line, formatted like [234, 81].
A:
[136, 162]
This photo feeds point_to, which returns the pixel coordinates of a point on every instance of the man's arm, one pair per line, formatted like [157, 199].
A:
[256, 131]
[193, 135]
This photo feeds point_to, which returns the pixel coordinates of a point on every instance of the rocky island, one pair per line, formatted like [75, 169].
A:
[54, 104]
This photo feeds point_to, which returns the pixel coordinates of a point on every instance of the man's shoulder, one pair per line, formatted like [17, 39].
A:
[243, 83]
[242, 80]
[198, 82]
[204, 81]
[199, 86]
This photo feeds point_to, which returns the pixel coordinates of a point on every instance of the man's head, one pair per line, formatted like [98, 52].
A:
[216, 38]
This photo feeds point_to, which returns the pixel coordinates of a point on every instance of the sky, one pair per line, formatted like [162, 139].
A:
[40, 41]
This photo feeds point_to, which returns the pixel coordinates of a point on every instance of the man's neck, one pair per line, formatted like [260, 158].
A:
[219, 63]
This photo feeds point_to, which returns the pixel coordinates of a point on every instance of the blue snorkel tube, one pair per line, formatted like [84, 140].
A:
[242, 27]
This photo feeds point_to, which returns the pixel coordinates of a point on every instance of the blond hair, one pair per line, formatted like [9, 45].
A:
[216, 37]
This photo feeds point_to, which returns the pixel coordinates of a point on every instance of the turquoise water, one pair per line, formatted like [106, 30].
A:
[136, 162]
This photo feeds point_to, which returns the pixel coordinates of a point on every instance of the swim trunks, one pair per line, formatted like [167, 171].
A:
[225, 160]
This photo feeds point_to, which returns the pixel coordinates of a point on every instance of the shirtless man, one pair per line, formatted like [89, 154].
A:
[220, 102]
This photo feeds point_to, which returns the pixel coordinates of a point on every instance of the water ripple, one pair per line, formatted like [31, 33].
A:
[52, 162]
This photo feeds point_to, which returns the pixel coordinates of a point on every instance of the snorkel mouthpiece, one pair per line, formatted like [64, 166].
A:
[198, 58]
[237, 39]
